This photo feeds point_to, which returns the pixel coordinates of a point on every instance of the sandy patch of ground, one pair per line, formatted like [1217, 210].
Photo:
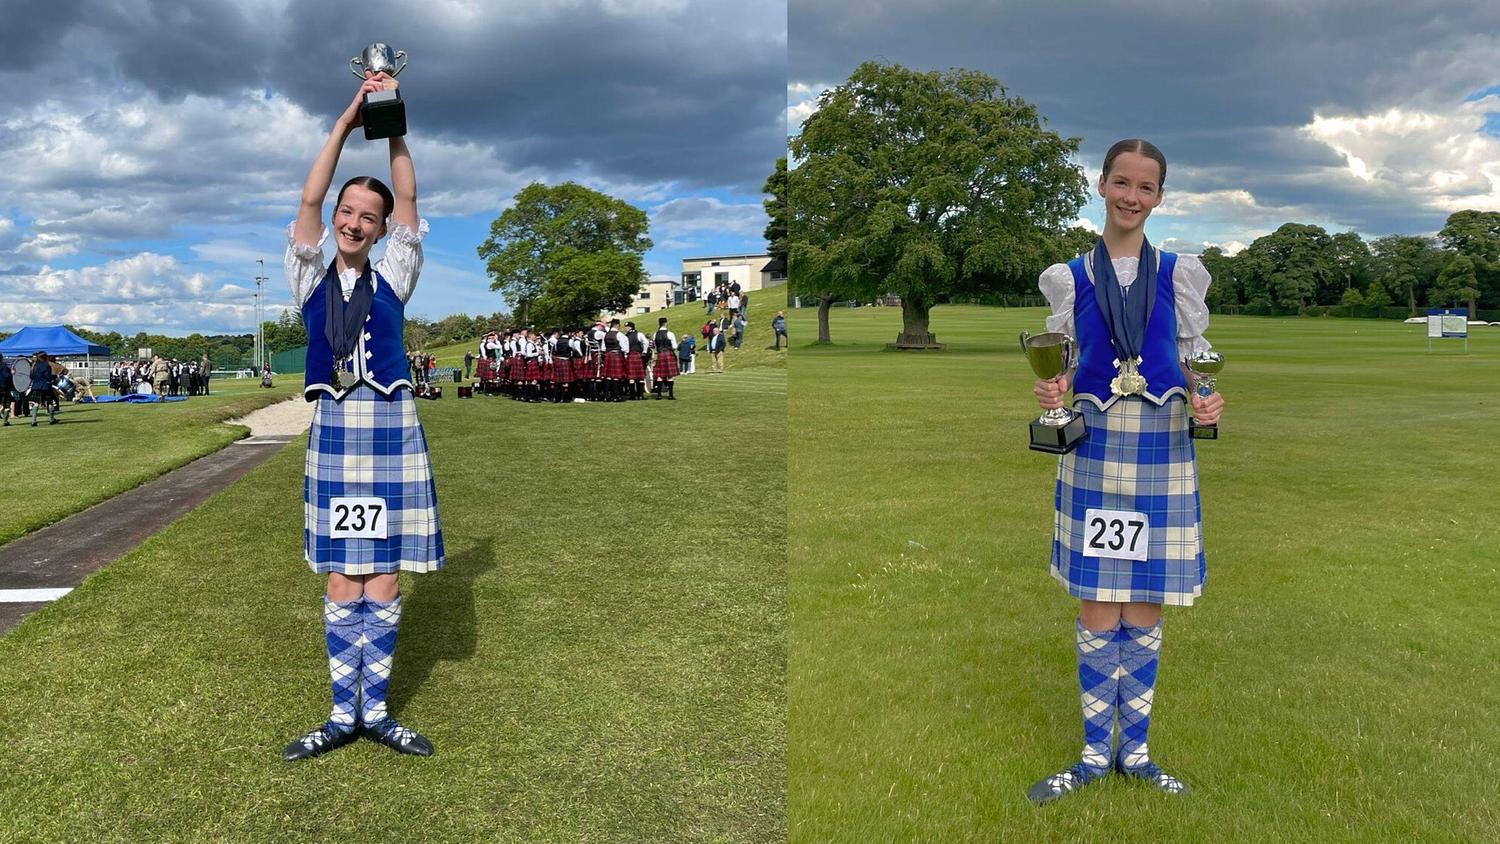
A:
[288, 418]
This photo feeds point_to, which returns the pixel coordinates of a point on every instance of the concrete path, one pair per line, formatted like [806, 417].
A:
[44, 565]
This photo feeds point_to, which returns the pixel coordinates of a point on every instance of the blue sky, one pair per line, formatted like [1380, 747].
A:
[156, 150]
[1378, 117]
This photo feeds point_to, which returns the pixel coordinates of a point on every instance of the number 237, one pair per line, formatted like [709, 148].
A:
[1114, 529]
[342, 513]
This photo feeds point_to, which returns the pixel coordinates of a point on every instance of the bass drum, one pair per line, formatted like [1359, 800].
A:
[144, 389]
[66, 386]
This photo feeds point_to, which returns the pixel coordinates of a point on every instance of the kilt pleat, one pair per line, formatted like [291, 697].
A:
[665, 367]
[614, 365]
[1137, 457]
[368, 446]
[635, 367]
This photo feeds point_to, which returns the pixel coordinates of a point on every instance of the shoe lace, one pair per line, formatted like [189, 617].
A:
[392, 730]
[1065, 781]
[1159, 778]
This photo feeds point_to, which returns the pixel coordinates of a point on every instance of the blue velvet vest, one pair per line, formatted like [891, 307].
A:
[379, 356]
[1159, 363]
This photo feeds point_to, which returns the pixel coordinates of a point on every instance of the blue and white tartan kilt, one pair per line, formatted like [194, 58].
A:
[1137, 457]
[368, 446]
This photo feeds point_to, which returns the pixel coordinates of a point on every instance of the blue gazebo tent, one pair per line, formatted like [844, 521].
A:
[55, 340]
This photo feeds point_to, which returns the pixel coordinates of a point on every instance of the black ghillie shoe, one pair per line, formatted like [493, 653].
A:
[318, 742]
[1157, 777]
[397, 737]
[1050, 788]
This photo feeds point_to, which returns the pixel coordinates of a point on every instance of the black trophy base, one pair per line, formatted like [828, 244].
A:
[383, 114]
[1058, 439]
[1202, 432]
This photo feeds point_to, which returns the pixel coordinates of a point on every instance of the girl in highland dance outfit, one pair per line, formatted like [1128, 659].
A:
[370, 505]
[1128, 534]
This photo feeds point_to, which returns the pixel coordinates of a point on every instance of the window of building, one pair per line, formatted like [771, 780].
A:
[643, 310]
[645, 294]
[721, 278]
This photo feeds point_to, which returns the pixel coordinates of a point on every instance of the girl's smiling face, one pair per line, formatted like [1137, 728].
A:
[1131, 189]
[358, 222]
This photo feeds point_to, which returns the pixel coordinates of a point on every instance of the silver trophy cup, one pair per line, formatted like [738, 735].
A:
[1205, 365]
[1057, 431]
[382, 113]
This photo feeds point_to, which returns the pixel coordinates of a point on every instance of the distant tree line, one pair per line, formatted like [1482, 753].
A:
[1301, 269]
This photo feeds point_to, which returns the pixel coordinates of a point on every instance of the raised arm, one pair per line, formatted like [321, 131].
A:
[320, 175]
[403, 185]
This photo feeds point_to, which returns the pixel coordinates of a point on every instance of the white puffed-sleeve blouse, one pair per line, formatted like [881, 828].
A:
[304, 265]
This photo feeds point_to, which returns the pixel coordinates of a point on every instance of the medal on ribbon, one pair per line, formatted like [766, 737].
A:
[1127, 315]
[1129, 381]
[343, 375]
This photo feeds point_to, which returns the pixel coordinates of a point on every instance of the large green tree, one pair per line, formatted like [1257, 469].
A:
[563, 253]
[1289, 267]
[1476, 236]
[776, 209]
[928, 185]
[1406, 265]
[1455, 284]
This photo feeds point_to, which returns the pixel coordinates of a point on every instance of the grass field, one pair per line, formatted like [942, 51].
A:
[1334, 683]
[95, 452]
[602, 659]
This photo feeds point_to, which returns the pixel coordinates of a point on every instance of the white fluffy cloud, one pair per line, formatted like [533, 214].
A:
[144, 289]
[1441, 157]
[801, 102]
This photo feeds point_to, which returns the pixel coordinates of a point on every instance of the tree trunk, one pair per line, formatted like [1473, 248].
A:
[1411, 298]
[1471, 308]
[914, 326]
[824, 303]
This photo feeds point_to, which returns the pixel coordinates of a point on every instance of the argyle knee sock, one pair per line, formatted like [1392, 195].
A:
[380, 623]
[341, 630]
[1139, 649]
[1098, 657]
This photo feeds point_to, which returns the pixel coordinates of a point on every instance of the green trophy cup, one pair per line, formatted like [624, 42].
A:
[1059, 430]
[1205, 365]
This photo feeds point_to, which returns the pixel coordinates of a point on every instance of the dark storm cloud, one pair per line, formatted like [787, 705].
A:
[1222, 87]
[641, 92]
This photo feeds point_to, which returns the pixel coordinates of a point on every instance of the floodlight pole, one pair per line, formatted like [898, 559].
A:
[260, 334]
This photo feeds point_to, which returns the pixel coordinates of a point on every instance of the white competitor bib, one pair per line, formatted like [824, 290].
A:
[356, 518]
[1121, 534]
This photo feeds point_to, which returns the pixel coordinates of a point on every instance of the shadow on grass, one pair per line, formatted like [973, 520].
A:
[438, 620]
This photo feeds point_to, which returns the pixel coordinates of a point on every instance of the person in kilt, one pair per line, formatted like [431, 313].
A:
[1128, 527]
[370, 504]
[614, 362]
[635, 362]
[665, 368]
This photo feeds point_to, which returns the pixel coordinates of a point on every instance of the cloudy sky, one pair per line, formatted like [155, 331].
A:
[153, 150]
[1382, 117]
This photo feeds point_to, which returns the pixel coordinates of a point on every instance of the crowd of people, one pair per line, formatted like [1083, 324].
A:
[603, 363]
[32, 386]
[727, 297]
[162, 376]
